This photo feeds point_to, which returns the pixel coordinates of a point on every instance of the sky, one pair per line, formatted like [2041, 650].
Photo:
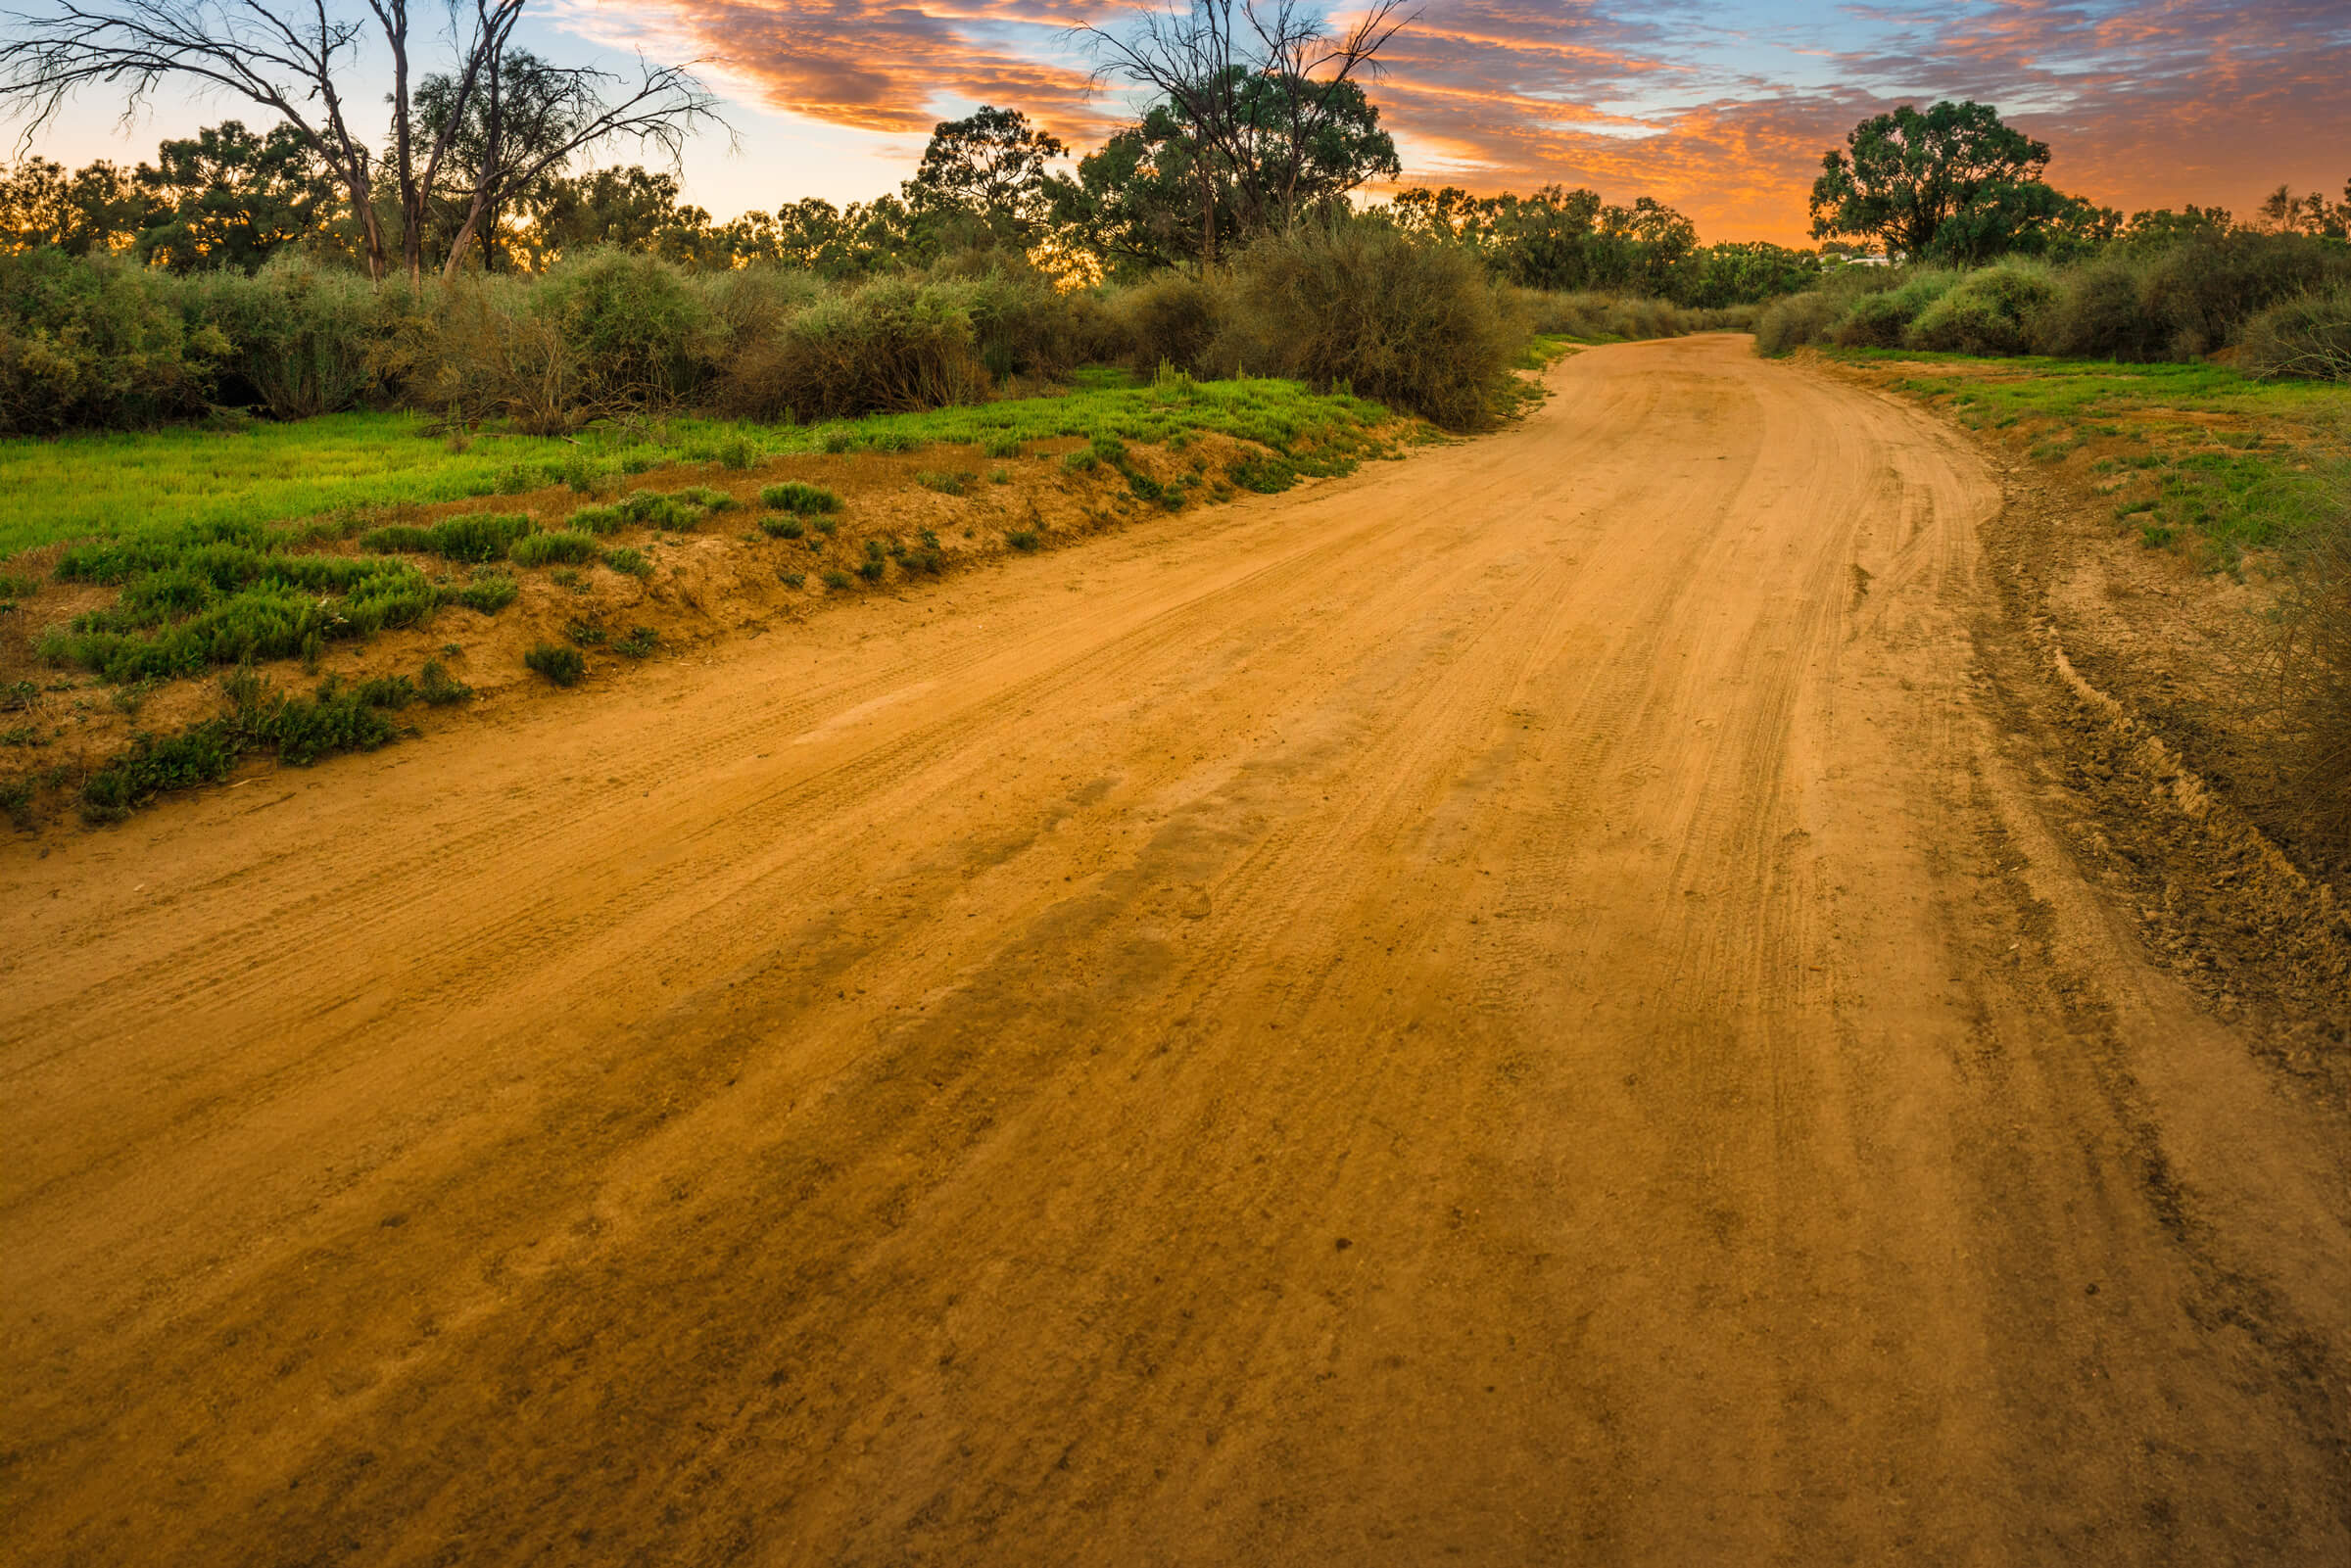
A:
[1720, 110]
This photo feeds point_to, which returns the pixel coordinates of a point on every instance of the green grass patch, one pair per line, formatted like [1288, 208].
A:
[2236, 462]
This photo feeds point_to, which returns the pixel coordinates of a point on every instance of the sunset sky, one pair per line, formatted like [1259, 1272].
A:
[1721, 110]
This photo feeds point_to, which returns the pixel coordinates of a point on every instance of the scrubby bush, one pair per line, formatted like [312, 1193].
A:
[2308, 336]
[1789, 324]
[1359, 305]
[2204, 291]
[893, 344]
[1881, 318]
[2100, 312]
[1171, 317]
[1995, 311]
[641, 337]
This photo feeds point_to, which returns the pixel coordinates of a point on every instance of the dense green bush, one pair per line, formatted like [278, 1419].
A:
[1881, 318]
[1360, 304]
[301, 339]
[97, 342]
[1994, 310]
[640, 337]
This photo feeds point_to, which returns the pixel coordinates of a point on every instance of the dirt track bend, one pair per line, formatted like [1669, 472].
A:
[1506, 1009]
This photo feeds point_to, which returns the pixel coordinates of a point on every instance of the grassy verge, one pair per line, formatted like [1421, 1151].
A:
[351, 465]
[105, 632]
[2193, 457]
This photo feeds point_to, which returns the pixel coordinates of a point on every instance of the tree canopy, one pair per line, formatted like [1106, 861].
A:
[1902, 177]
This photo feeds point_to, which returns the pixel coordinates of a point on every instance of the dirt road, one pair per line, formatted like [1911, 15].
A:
[1513, 1008]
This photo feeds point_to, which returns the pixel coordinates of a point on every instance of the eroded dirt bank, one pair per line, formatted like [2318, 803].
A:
[1515, 1007]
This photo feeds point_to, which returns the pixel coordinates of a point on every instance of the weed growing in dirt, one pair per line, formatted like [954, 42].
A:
[628, 562]
[488, 592]
[877, 560]
[792, 578]
[436, 686]
[1004, 443]
[259, 718]
[945, 483]
[835, 577]
[1021, 539]
[783, 527]
[641, 643]
[561, 665]
[587, 634]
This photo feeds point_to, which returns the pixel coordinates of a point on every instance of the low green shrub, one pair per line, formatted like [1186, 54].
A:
[802, 499]
[641, 643]
[628, 562]
[539, 550]
[561, 665]
[392, 692]
[488, 592]
[473, 538]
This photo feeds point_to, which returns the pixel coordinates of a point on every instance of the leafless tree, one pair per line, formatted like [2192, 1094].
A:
[534, 120]
[290, 57]
[1255, 82]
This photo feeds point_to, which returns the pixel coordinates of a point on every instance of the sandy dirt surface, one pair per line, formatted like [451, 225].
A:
[1517, 1007]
